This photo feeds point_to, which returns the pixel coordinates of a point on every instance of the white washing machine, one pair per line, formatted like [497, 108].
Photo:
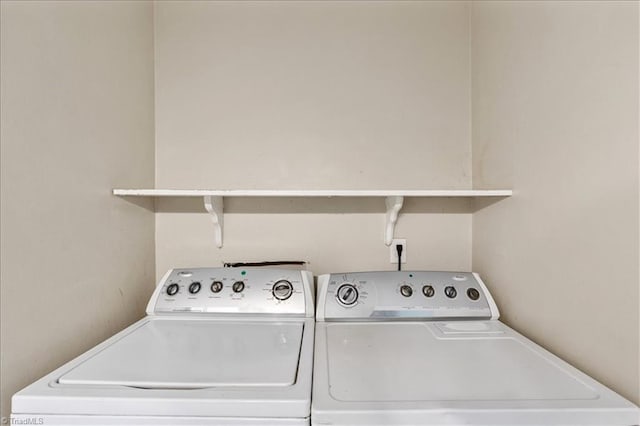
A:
[426, 348]
[219, 346]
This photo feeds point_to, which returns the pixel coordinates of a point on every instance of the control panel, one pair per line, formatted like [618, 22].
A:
[392, 295]
[234, 291]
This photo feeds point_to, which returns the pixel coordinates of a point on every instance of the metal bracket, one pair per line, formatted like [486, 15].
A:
[394, 204]
[214, 205]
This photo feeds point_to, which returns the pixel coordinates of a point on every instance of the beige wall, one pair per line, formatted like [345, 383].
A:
[77, 120]
[312, 95]
[555, 116]
[320, 95]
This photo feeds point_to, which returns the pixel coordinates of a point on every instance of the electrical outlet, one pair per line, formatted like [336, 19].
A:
[393, 254]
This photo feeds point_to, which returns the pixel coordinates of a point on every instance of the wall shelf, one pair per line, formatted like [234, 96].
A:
[394, 199]
[313, 193]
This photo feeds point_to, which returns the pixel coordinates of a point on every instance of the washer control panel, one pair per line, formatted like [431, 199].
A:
[234, 290]
[403, 295]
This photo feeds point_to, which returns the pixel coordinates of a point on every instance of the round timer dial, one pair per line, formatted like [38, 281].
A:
[282, 290]
[347, 294]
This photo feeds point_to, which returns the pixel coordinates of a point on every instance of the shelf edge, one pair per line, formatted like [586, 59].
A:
[312, 193]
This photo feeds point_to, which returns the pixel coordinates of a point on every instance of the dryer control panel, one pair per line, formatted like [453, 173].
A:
[234, 291]
[407, 295]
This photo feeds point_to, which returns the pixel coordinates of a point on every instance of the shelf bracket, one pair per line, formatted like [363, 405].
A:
[214, 205]
[394, 204]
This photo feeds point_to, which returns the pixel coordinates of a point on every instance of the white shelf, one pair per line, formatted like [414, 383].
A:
[314, 193]
[394, 198]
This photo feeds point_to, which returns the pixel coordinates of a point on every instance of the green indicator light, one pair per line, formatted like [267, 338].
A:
[243, 273]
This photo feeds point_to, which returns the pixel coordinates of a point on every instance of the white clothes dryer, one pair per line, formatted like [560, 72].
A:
[427, 348]
[219, 346]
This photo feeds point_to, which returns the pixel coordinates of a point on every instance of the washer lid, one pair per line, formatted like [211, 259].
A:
[195, 354]
[466, 361]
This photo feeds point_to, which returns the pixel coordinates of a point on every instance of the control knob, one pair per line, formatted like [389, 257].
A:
[473, 294]
[406, 290]
[194, 287]
[238, 286]
[282, 290]
[450, 292]
[216, 286]
[428, 291]
[172, 289]
[347, 294]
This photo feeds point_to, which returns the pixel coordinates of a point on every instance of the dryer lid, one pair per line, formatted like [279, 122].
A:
[456, 361]
[196, 354]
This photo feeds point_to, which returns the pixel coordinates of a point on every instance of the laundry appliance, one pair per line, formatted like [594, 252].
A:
[427, 348]
[219, 346]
